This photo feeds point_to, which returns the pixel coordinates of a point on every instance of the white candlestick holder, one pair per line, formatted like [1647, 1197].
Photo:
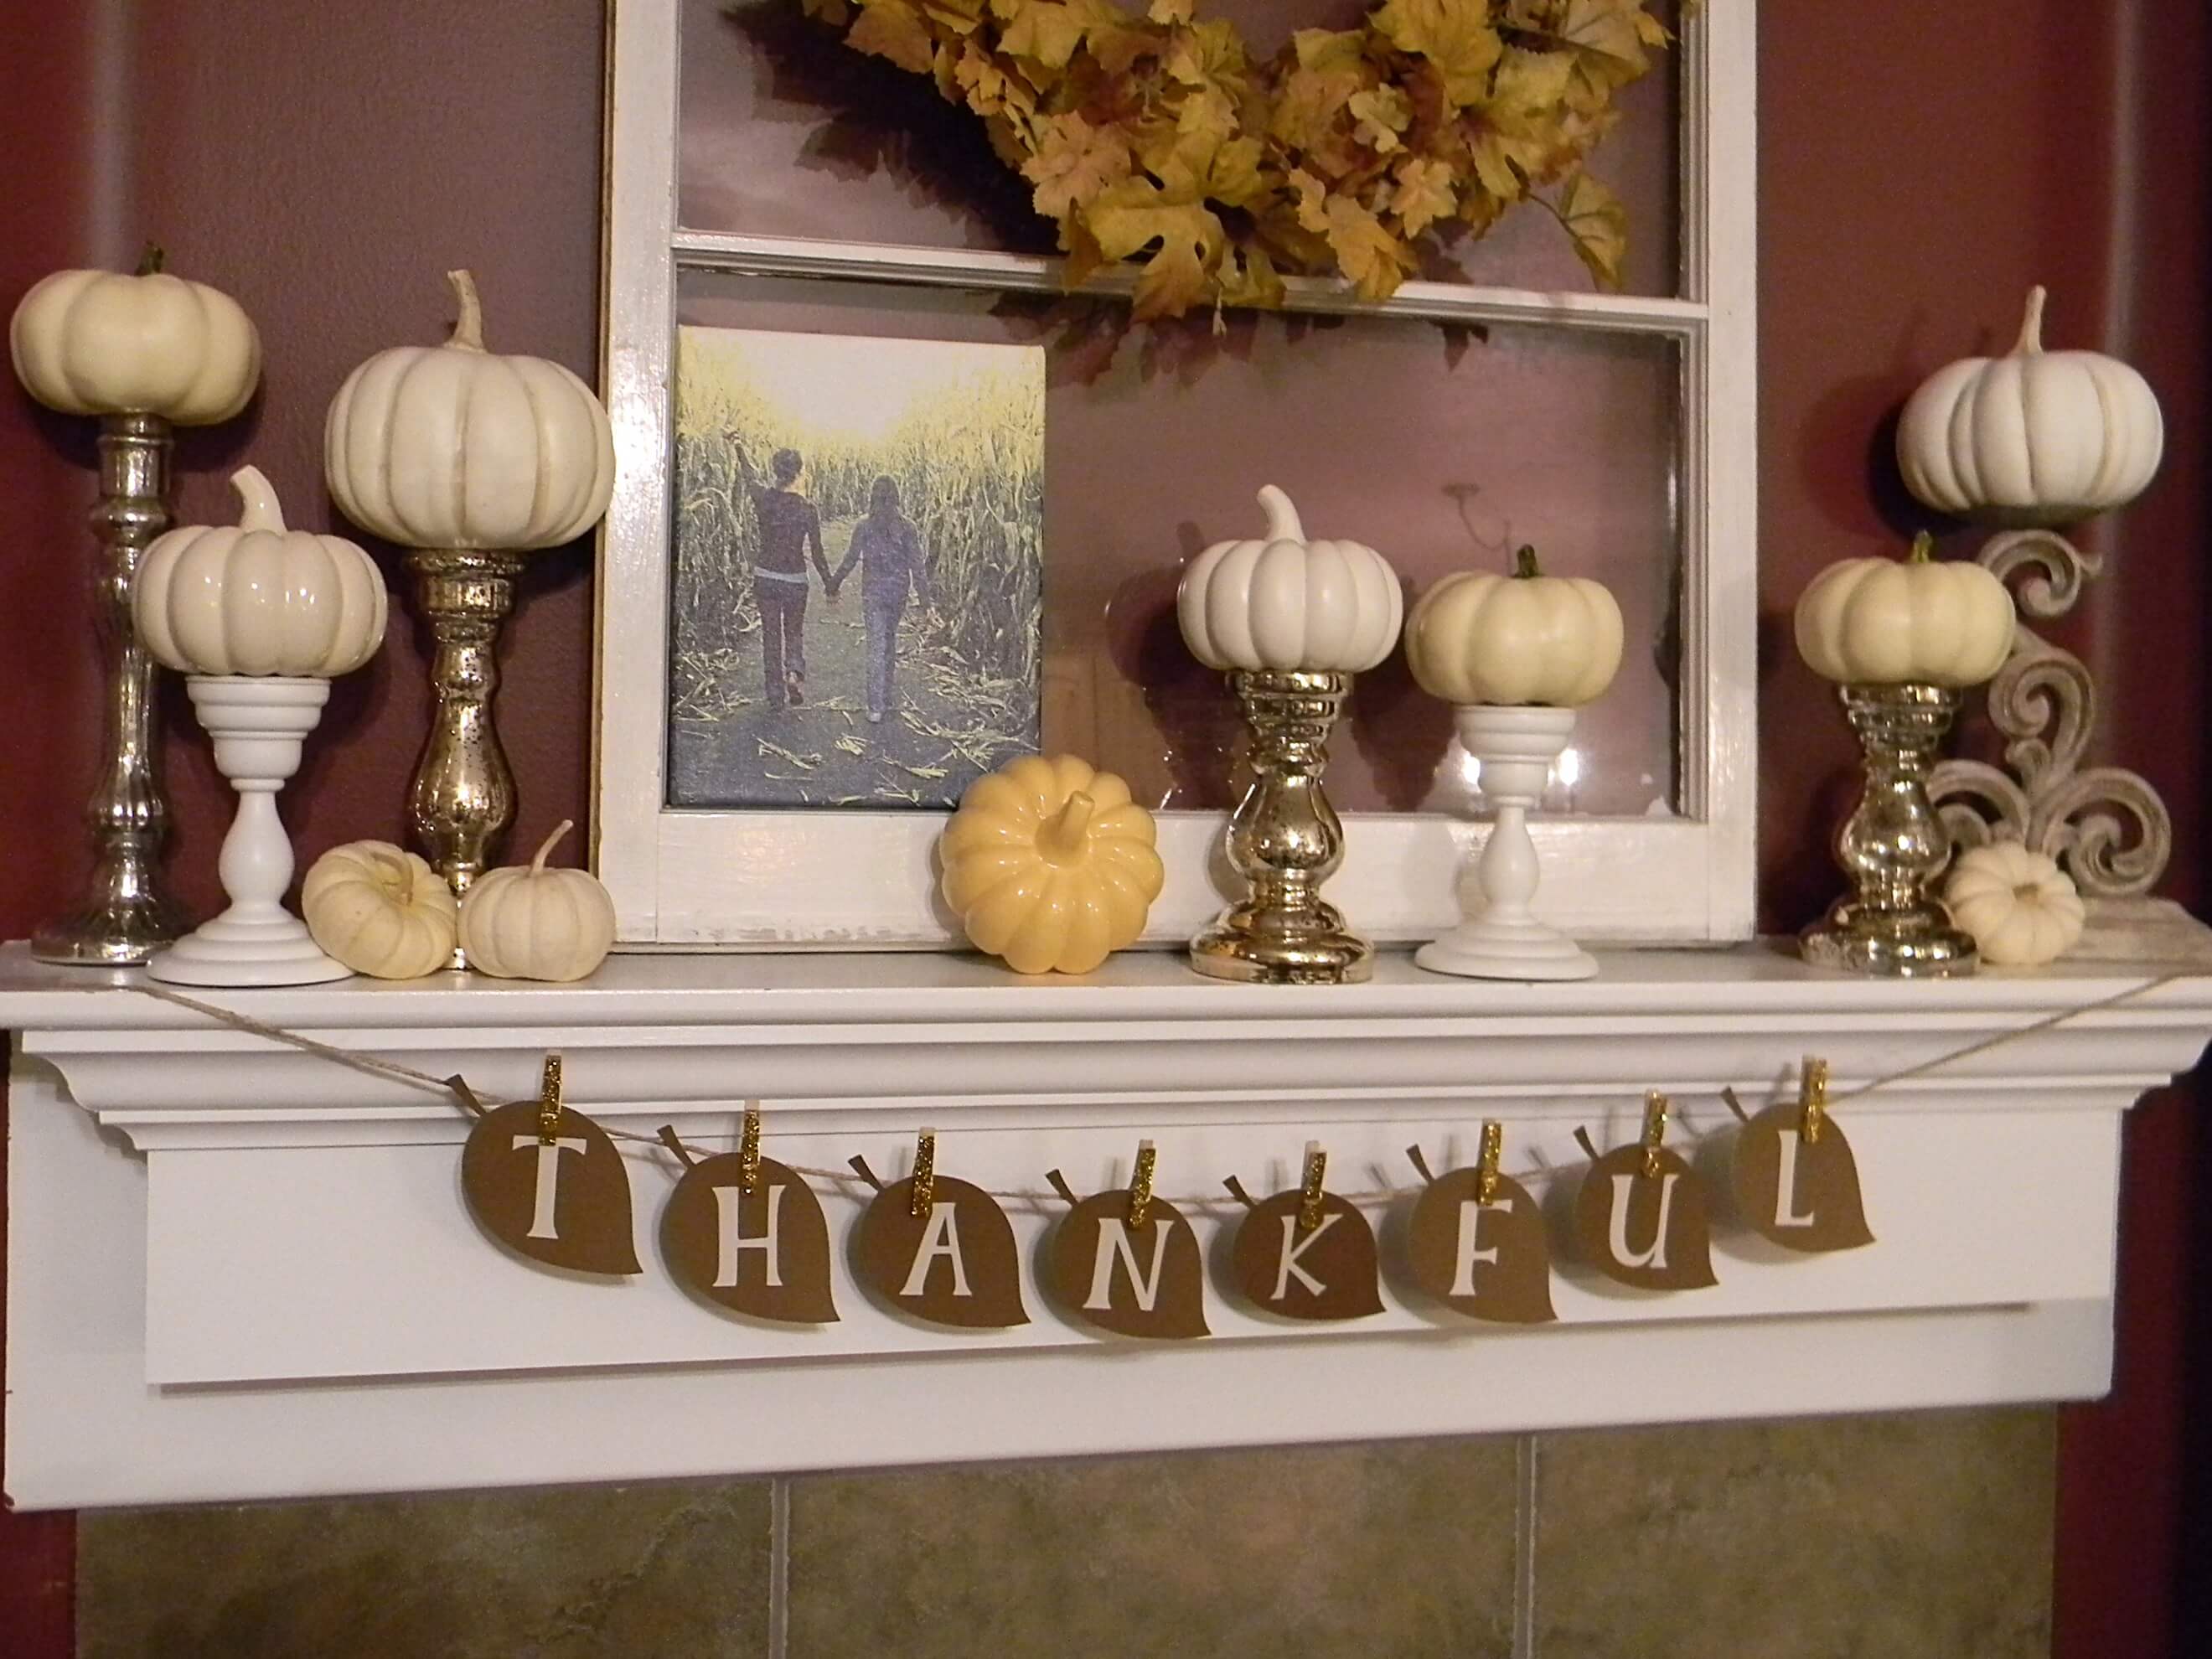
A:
[258, 722]
[1501, 937]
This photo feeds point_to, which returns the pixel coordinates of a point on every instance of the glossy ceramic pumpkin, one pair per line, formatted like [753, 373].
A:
[1914, 621]
[2021, 907]
[1479, 638]
[256, 597]
[380, 910]
[1283, 603]
[529, 921]
[2033, 437]
[455, 447]
[1050, 865]
[95, 343]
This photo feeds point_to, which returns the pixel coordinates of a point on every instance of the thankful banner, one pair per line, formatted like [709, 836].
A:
[747, 1233]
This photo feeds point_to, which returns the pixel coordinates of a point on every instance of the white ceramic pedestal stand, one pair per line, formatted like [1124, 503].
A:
[1517, 747]
[256, 722]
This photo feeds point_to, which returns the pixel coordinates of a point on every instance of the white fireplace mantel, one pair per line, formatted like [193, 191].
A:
[241, 1270]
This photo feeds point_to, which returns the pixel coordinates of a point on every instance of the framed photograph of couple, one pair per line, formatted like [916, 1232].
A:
[893, 506]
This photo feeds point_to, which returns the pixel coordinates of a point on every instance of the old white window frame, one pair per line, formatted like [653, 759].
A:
[779, 880]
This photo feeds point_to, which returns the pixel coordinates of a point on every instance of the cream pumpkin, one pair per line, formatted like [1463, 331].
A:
[2020, 907]
[455, 447]
[2034, 437]
[259, 598]
[1477, 637]
[95, 343]
[380, 910]
[527, 921]
[1887, 621]
[1050, 865]
[1282, 602]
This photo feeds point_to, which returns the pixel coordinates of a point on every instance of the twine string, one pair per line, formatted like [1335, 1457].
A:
[464, 1100]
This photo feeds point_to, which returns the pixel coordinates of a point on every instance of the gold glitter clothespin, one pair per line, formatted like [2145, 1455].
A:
[1493, 1153]
[1813, 1098]
[924, 1191]
[548, 1100]
[749, 1149]
[1140, 1184]
[1654, 1131]
[1309, 1196]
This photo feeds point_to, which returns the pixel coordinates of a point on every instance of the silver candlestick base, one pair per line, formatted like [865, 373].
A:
[1894, 845]
[127, 915]
[1286, 840]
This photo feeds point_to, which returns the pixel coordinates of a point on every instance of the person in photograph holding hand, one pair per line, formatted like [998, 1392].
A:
[887, 549]
[790, 528]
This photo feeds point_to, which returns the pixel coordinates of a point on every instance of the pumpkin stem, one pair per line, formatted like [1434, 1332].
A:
[468, 328]
[1283, 524]
[1924, 549]
[1061, 836]
[538, 863]
[258, 501]
[150, 261]
[1524, 563]
[2031, 327]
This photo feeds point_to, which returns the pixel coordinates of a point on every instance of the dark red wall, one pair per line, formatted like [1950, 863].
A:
[1920, 167]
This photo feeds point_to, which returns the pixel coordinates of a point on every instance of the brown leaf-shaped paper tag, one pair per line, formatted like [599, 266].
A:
[1487, 1259]
[765, 1253]
[1803, 1194]
[1134, 1280]
[1650, 1232]
[1326, 1272]
[564, 1201]
[954, 1264]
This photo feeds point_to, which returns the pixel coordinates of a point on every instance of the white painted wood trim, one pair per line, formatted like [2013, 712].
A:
[243, 1271]
[845, 880]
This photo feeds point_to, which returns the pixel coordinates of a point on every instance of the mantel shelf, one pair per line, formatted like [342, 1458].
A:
[243, 1269]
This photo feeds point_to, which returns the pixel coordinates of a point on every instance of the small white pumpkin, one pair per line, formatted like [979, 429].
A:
[526, 922]
[258, 598]
[380, 910]
[1883, 622]
[2035, 437]
[2020, 907]
[454, 447]
[95, 343]
[1283, 603]
[1477, 637]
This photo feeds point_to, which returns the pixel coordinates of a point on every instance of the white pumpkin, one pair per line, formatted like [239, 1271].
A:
[2020, 907]
[1883, 622]
[95, 343]
[1283, 603]
[380, 910]
[529, 922]
[1477, 637]
[258, 598]
[2035, 437]
[454, 447]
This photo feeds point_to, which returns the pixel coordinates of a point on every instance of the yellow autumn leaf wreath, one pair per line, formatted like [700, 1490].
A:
[1155, 136]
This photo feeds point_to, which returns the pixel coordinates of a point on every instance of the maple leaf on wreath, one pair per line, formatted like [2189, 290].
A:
[894, 29]
[1134, 214]
[1075, 162]
[1453, 35]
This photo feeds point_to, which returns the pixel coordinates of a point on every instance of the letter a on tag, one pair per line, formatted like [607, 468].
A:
[765, 1253]
[1802, 1193]
[1326, 1271]
[1649, 1230]
[560, 1198]
[954, 1264]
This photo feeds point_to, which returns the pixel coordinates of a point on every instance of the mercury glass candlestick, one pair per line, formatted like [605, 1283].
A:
[1286, 840]
[463, 797]
[1894, 846]
[126, 916]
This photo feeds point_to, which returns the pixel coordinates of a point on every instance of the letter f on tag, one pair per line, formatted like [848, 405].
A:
[1287, 1267]
[548, 1179]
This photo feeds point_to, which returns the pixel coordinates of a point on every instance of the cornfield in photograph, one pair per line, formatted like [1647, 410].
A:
[899, 662]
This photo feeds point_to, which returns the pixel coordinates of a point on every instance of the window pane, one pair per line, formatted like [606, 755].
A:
[786, 131]
[1443, 449]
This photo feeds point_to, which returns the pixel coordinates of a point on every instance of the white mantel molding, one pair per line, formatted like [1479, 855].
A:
[241, 1270]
